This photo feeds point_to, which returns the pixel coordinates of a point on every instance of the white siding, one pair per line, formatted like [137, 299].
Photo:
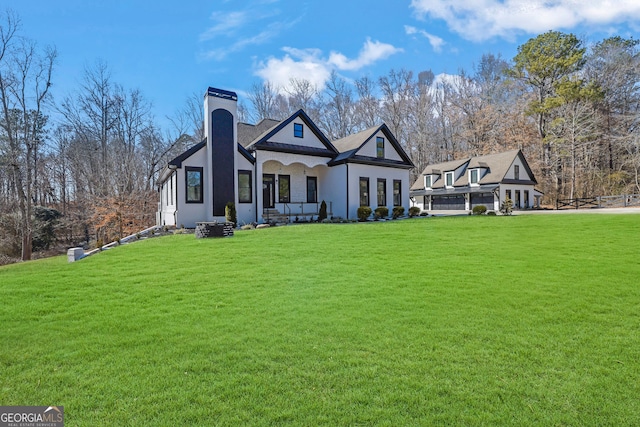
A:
[189, 213]
[373, 173]
[369, 149]
[309, 139]
[246, 211]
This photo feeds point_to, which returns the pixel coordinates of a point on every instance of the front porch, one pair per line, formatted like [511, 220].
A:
[294, 192]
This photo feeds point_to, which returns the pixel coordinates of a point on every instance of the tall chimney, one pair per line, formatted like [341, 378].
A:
[220, 121]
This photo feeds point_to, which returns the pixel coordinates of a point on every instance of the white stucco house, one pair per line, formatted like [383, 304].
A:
[483, 180]
[279, 169]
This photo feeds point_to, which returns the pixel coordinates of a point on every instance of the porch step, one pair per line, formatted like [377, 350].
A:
[273, 215]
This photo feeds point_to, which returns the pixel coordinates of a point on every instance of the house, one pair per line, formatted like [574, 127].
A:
[279, 170]
[483, 180]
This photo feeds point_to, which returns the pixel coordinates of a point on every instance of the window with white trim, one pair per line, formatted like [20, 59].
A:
[474, 176]
[448, 179]
[427, 181]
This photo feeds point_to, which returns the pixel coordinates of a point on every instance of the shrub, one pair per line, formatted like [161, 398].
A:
[381, 212]
[364, 212]
[397, 212]
[322, 215]
[414, 211]
[479, 210]
[491, 213]
[507, 206]
[230, 213]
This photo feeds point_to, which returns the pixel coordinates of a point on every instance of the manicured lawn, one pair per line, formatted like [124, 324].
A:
[528, 320]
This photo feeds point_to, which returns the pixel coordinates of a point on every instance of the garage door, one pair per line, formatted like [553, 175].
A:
[448, 203]
[482, 199]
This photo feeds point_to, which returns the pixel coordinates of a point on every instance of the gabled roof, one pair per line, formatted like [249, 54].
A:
[262, 141]
[350, 145]
[247, 133]
[495, 168]
[177, 161]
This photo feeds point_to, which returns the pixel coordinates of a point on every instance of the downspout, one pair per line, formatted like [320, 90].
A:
[347, 210]
[255, 179]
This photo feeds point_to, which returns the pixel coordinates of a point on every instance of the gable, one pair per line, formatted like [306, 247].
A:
[298, 134]
[370, 147]
[362, 147]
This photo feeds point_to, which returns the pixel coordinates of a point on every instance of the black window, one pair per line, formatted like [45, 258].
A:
[244, 187]
[364, 191]
[380, 147]
[516, 171]
[194, 184]
[312, 189]
[284, 188]
[298, 130]
[382, 192]
[397, 192]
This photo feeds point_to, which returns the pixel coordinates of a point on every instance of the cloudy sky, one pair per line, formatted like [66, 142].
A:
[171, 49]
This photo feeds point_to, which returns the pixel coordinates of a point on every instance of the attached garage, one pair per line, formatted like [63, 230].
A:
[453, 202]
[485, 199]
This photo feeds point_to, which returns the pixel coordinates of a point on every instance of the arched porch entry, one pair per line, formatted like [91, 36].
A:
[292, 190]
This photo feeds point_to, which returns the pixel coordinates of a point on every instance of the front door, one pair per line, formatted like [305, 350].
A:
[268, 190]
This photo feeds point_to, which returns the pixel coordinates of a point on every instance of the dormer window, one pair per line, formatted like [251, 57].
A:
[448, 179]
[380, 147]
[298, 130]
[427, 181]
[474, 176]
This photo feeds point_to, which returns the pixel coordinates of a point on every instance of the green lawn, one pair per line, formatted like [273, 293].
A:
[527, 320]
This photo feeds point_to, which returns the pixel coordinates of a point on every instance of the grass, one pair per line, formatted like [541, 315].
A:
[528, 320]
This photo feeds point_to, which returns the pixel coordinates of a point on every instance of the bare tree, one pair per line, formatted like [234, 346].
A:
[25, 79]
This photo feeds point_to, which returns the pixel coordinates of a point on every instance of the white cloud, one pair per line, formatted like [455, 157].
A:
[225, 23]
[296, 64]
[480, 20]
[435, 41]
[311, 65]
[370, 53]
[232, 31]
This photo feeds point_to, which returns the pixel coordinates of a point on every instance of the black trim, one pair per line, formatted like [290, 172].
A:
[246, 154]
[379, 140]
[298, 130]
[313, 199]
[393, 195]
[221, 93]
[294, 149]
[222, 160]
[384, 191]
[177, 161]
[307, 120]
[372, 161]
[286, 199]
[249, 173]
[188, 169]
[368, 196]
[270, 190]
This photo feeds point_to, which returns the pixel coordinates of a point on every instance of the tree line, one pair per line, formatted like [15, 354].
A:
[82, 169]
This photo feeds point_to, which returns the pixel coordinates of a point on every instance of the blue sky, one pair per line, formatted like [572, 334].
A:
[169, 49]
